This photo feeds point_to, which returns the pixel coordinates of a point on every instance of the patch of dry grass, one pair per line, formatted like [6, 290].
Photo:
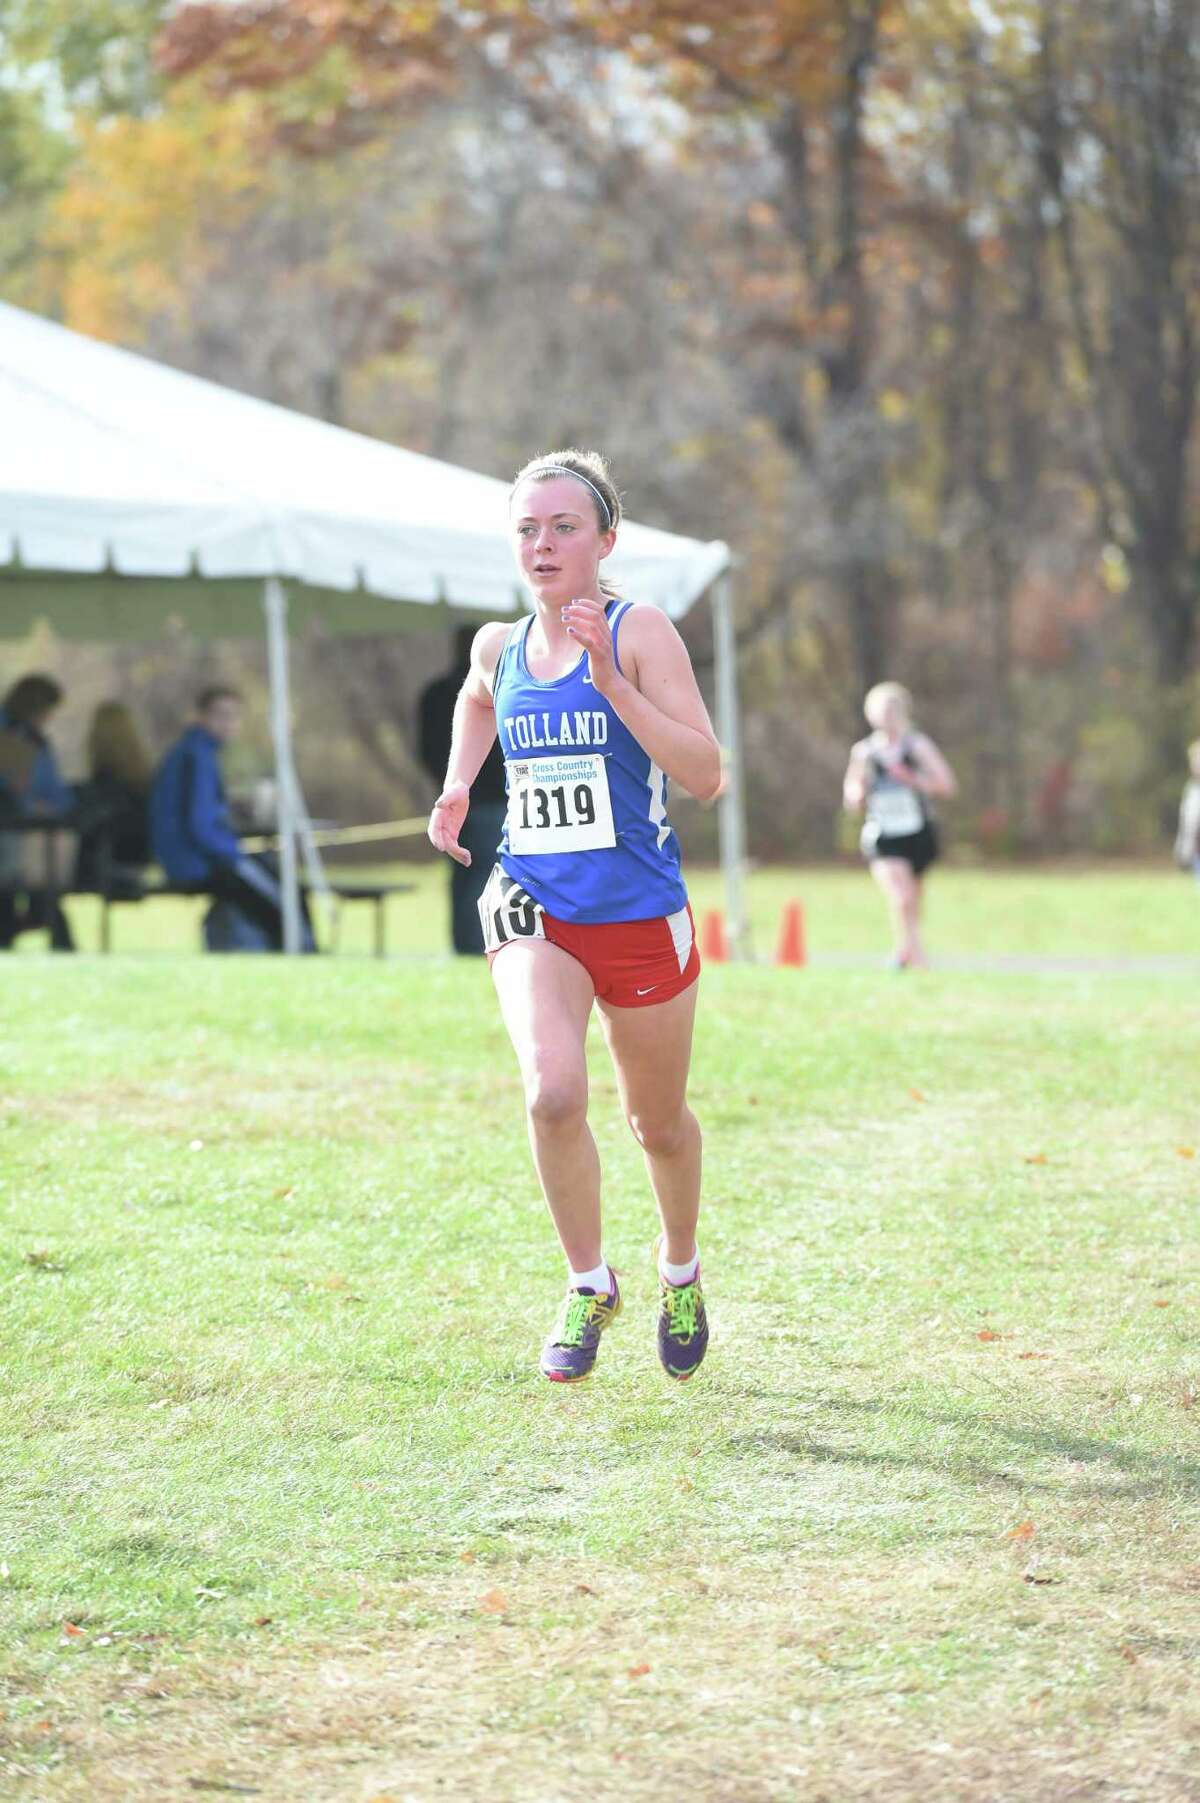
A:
[853, 1681]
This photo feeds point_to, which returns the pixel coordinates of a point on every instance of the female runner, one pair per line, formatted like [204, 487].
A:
[893, 774]
[596, 706]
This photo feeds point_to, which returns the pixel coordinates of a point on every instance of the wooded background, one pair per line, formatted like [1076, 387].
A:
[902, 299]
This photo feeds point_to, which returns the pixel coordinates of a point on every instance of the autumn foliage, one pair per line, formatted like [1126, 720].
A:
[901, 299]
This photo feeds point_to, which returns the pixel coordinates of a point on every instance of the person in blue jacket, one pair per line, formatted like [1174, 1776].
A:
[31, 784]
[190, 826]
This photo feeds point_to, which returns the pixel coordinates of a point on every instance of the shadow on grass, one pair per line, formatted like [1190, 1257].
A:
[1149, 1474]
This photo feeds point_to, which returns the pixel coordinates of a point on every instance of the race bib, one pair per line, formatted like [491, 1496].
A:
[559, 804]
[895, 811]
[507, 912]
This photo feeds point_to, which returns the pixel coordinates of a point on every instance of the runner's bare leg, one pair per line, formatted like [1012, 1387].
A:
[651, 1050]
[546, 998]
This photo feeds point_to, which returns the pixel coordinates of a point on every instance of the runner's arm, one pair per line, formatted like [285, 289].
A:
[854, 783]
[1187, 838]
[935, 777]
[474, 731]
[659, 700]
[472, 737]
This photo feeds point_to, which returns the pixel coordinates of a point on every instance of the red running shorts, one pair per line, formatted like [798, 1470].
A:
[632, 963]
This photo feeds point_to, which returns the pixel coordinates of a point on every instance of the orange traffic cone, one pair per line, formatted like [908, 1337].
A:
[790, 949]
[713, 948]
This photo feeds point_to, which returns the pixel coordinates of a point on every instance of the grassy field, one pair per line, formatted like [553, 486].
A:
[285, 1510]
[1087, 911]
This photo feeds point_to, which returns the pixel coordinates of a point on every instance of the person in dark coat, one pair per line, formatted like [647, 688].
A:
[485, 821]
[31, 785]
[114, 833]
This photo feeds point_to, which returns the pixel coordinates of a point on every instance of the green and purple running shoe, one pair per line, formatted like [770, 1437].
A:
[682, 1326]
[570, 1352]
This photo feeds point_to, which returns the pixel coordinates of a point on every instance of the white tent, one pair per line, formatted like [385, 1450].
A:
[131, 493]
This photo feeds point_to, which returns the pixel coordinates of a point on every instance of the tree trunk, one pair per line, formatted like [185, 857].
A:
[858, 493]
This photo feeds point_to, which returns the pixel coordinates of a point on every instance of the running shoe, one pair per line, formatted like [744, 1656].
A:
[682, 1325]
[570, 1352]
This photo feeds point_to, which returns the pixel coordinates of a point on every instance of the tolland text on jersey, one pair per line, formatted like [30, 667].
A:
[533, 732]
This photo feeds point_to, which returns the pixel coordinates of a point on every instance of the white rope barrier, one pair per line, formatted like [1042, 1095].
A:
[350, 835]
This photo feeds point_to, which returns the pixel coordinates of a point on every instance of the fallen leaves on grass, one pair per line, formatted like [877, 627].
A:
[72, 1632]
[916, 1094]
[988, 1334]
[585, 1590]
[1024, 1530]
[1036, 1158]
[1033, 1355]
[1162, 1302]
[1185, 1151]
[493, 1602]
[337, 1283]
[42, 1259]
[1127, 1653]
[1035, 1577]
[637, 1671]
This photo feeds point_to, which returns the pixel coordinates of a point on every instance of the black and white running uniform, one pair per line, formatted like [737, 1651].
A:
[900, 822]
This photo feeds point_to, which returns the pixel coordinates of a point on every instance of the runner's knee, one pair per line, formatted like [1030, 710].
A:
[662, 1135]
[554, 1100]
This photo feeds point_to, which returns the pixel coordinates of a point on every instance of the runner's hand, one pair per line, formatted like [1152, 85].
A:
[585, 621]
[446, 821]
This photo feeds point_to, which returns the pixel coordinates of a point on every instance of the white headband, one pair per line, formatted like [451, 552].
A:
[560, 469]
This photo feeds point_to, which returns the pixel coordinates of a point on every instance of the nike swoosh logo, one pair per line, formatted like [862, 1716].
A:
[649, 991]
[588, 680]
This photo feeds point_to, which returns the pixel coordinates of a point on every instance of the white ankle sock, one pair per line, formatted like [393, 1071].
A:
[599, 1280]
[679, 1274]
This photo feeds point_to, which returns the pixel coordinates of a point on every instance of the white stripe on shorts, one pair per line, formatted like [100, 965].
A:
[681, 936]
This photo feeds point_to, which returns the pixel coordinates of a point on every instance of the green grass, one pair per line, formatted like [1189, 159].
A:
[273, 1274]
[1090, 910]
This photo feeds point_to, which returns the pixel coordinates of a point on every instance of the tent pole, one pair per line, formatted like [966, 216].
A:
[731, 809]
[314, 864]
[275, 607]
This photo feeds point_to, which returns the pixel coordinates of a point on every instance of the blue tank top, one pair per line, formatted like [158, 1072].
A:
[586, 831]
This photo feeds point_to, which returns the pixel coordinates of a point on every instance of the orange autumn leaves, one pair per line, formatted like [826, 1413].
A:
[137, 222]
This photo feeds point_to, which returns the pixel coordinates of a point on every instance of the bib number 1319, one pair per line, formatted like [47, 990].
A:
[559, 804]
[552, 807]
